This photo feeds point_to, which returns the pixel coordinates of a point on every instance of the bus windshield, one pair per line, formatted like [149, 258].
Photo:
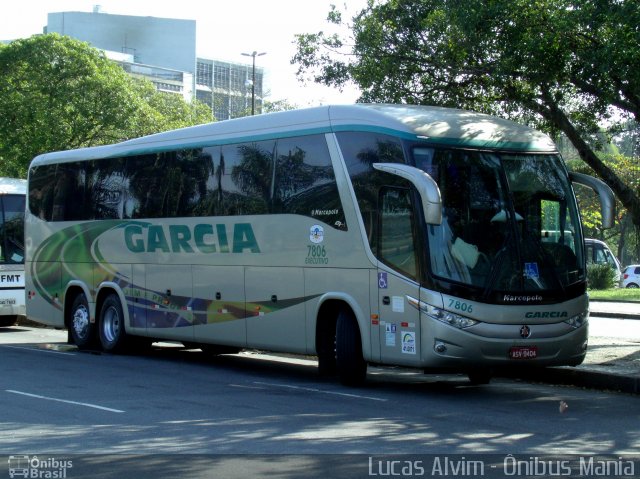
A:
[510, 223]
[12, 230]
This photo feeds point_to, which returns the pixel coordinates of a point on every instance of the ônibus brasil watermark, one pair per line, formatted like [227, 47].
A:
[38, 467]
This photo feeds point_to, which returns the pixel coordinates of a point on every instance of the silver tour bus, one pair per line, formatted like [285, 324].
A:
[12, 204]
[362, 234]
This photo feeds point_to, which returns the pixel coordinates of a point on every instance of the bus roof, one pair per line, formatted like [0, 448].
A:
[443, 126]
[12, 186]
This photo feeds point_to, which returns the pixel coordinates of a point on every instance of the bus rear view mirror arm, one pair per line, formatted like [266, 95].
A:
[607, 199]
[426, 186]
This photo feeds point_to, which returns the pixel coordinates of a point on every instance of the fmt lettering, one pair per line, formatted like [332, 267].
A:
[10, 278]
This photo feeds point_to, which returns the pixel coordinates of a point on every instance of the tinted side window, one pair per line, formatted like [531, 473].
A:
[71, 193]
[239, 179]
[12, 229]
[292, 175]
[41, 185]
[167, 184]
[361, 150]
[109, 197]
[247, 176]
[305, 182]
[396, 243]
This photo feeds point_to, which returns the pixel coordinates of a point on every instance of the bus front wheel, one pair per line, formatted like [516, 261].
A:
[80, 326]
[352, 368]
[113, 335]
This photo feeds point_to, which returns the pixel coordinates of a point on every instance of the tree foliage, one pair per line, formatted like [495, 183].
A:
[278, 105]
[624, 238]
[57, 93]
[562, 65]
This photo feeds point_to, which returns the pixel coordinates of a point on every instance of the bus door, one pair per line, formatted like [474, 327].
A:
[399, 321]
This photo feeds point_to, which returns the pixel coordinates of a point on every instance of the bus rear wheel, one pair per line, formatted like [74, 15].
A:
[352, 368]
[80, 326]
[113, 335]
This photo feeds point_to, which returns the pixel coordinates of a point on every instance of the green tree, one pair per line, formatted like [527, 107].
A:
[562, 65]
[57, 93]
[278, 105]
[624, 236]
[158, 111]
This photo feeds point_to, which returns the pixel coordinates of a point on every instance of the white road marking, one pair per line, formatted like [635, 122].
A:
[335, 393]
[37, 396]
[38, 350]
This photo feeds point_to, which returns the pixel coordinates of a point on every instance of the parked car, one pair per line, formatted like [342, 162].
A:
[598, 252]
[631, 277]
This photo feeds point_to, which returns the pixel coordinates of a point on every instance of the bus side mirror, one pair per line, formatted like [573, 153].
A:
[426, 186]
[607, 199]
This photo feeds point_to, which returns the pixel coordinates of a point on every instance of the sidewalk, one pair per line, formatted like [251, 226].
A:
[612, 309]
[613, 360]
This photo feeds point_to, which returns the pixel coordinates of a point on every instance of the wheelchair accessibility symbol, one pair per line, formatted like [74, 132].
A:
[382, 280]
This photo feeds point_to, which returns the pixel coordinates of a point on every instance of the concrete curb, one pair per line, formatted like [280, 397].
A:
[614, 309]
[614, 314]
[580, 378]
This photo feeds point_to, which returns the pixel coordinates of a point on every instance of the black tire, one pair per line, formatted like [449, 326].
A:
[478, 377]
[6, 321]
[81, 329]
[326, 350]
[113, 334]
[352, 368]
[632, 286]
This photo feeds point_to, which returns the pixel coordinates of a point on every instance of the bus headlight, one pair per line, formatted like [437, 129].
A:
[452, 319]
[578, 320]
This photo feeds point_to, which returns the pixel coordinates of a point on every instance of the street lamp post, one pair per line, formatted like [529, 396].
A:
[253, 55]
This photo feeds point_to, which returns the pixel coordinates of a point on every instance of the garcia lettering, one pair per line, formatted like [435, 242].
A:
[202, 238]
[546, 314]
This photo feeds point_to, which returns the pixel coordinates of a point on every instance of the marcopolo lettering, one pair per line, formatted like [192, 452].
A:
[546, 314]
[204, 238]
[511, 298]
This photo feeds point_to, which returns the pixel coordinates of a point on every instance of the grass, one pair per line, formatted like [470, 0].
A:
[615, 294]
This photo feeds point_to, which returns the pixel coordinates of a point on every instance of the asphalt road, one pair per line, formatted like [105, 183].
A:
[57, 400]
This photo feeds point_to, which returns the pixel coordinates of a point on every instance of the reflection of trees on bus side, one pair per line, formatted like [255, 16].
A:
[253, 176]
[295, 179]
[361, 151]
[168, 184]
[237, 179]
[255, 185]
[105, 184]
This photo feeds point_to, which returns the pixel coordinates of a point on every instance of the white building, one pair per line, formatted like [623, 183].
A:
[163, 50]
